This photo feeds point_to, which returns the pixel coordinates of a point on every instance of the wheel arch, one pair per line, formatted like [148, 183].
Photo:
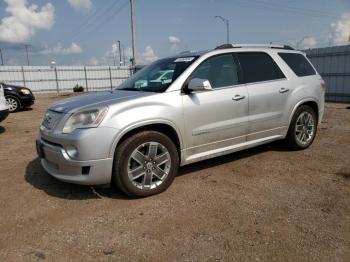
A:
[309, 102]
[12, 95]
[165, 127]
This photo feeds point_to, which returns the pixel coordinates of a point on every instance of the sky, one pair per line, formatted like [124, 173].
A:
[85, 32]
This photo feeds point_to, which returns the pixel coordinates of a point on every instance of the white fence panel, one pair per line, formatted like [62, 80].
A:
[64, 78]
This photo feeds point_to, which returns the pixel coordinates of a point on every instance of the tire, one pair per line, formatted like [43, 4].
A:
[13, 103]
[145, 164]
[302, 129]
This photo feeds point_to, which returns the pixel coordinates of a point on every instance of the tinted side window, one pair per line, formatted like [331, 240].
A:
[258, 67]
[220, 70]
[298, 63]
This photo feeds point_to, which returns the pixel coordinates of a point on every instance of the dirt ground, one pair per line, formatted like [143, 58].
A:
[263, 204]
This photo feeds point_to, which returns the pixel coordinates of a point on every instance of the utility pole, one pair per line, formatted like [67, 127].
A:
[133, 33]
[26, 46]
[2, 59]
[114, 59]
[120, 53]
[227, 22]
[123, 55]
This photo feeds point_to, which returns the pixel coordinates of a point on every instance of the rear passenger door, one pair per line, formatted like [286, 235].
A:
[268, 91]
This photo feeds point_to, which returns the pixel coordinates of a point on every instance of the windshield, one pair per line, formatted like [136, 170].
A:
[158, 76]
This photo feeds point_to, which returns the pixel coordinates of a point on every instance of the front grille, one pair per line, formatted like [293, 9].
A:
[51, 119]
[51, 143]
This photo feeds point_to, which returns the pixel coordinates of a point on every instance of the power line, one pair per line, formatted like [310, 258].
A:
[294, 39]
[91, 23]
[92, 19]
[99, 25]
[288, 7]
[285, 9]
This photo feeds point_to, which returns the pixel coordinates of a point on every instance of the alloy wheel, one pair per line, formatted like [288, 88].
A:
[305, 128]
[149, 165]
[12, 104]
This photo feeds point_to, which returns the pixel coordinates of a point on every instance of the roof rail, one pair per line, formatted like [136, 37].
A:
[185, 52]
[225, 46]
[288, 47]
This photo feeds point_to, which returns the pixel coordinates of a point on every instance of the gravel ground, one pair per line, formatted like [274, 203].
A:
[262, 204]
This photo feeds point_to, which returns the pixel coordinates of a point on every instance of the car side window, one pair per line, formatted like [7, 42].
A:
[298, 63]
[258, 67]
[221, 71]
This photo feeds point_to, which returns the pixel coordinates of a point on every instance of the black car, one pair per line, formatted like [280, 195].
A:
[18, 97]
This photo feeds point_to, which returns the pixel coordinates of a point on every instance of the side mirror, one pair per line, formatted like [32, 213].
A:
[198, 84]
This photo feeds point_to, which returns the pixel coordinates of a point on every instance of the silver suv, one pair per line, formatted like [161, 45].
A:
[217, 102]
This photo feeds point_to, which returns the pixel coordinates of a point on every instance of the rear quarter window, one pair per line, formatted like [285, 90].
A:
[298, 63]
[258, 67]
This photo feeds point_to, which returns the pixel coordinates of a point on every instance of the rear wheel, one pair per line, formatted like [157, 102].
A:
[145, 164]
[303, 128]
[13, 103]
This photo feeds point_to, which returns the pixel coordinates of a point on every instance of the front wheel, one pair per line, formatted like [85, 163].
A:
[13, 103]
[303, 128]
[145, 164]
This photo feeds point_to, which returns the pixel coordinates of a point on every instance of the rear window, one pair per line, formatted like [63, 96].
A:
[258, 67]
[298, 63]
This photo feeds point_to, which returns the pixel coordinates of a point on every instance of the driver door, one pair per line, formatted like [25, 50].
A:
[217, 118]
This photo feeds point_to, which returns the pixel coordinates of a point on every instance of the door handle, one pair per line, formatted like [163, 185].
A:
[283, 90]
[238, 97]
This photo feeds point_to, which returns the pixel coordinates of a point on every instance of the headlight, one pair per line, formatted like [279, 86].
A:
[84, 119]
[24, 91]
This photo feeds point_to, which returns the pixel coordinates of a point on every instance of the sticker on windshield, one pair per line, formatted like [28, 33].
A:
[184, 59]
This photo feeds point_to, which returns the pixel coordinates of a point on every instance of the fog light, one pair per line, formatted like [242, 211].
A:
[72, 151]
[85, 170]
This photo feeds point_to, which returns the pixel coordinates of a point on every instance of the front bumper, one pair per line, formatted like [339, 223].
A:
[57, 163]
[27, 100]
[3, 114]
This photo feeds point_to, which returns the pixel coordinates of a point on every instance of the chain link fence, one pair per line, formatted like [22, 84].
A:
[61, 79]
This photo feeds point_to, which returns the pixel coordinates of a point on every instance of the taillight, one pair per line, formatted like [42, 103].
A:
[323, 86]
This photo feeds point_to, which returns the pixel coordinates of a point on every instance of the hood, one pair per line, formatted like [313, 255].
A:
[6, 86]
[105, 98]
